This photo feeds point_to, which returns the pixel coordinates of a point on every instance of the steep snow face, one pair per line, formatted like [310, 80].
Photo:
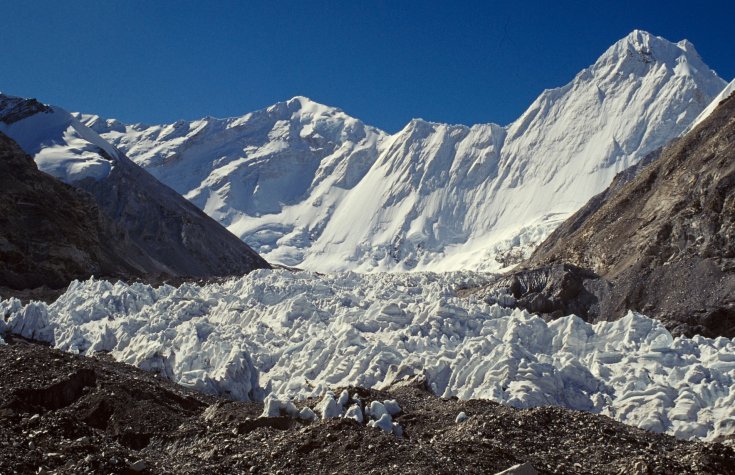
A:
[309, 186]
[299, 334]
[60, 144]
[426, 193]
[641, 93]
[729, 89]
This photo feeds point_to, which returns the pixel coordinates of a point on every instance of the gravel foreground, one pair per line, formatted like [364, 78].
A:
[62, 413]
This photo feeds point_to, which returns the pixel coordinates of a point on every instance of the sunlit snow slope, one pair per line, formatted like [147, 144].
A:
[59, 144]
[724, 94]
[299, 334]
[307, 185]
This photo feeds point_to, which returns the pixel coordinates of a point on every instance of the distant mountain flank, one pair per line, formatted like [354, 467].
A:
[307, 185]
[51, 233]
[661, 242]
[123, 221]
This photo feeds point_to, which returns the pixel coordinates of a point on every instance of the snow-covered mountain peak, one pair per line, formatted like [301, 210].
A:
[644, 42]
[305, 103]
[641, 53]
[647, 47]
[301, 116]
[99, 124]
[418, 128]
[295, 157]
[301, 106]
[49, 132]
[308, 185]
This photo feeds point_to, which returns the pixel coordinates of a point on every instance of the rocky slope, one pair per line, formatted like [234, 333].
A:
[177, 238]
[51, 233]
[662, 242]
[307, 185]
[64, 413]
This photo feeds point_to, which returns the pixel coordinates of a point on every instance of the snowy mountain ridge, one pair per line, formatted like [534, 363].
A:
[724, 94]
[307, 185]
[48, 133]
[175, 238]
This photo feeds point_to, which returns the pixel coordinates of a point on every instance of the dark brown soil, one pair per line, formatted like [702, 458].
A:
[62, 413]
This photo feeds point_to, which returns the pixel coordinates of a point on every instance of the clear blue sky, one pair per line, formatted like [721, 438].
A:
[382, 61]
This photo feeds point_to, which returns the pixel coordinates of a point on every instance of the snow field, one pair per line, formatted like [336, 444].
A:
[296, 335]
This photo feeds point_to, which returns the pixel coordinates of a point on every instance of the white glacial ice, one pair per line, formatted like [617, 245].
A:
[307, 414]
[392, 407]
[385, 423]
[328, 407]
[355, 412]
[299, 334]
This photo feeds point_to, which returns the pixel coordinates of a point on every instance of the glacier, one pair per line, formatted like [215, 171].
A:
[307, 185]
[300, 334]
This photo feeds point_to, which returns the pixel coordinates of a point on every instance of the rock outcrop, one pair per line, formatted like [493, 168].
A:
[51, 232]
[660, 240]
[126, 226]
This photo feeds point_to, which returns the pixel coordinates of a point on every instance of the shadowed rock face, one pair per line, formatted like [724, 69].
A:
[165, 225]
[128, 226]
[51, 233]
[661, 242]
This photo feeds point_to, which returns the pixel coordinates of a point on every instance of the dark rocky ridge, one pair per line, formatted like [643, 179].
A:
[660, 240]
[63, 413]
[179, 235]
[128, 226]
[15, 110]
[51, 233]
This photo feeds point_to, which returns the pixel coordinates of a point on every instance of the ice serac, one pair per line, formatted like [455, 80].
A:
[298, 334]
[307, 185]
[178, 237]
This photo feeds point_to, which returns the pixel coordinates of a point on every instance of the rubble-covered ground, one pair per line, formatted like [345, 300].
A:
[64, 413]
